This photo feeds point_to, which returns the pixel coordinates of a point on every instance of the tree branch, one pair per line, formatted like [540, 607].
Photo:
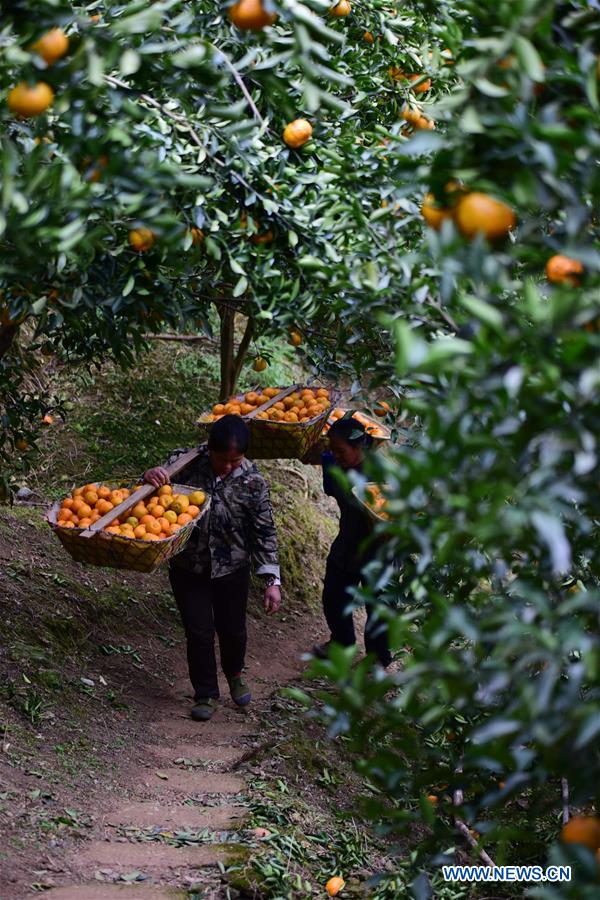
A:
[241, 85]
[189, 338]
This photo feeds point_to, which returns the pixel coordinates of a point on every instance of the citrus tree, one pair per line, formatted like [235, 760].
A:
[162, 161]
[493, 505]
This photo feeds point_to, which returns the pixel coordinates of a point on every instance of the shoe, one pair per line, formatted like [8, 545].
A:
[203, 709]
[240, 692]
[321, 651]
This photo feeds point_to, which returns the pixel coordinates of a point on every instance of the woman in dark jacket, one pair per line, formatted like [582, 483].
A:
[211, 576]
[353, 547]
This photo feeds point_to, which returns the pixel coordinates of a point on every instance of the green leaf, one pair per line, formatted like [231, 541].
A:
[529, 58]
[241, 286]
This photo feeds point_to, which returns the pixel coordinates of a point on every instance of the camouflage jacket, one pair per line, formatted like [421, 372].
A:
[239, 525]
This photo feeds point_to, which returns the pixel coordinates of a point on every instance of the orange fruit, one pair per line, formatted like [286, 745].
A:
[197, 498]
[83, 510]
[434, 215]
[171, 516]
[25, 100]
[140, 531]
[265, 238]
[85, 521]
[193, 511]
[322, 392]
[52, 45]
[340, 10]
[425, 124]
[152, 526]
[184, 518]
[76, 492]
[246, 408]
[411, 115]
[335, 885]
[95, 516]
[583, 830]
[141, 239]
[260, 364]
[165, 525]
[91, 497]
[139, 511]
[252, 397]
[47, 420]
[564, 270]
[116, 497]
[67, 503]
[65, 515]
[295, 338]
[103, 492]
[157, 510]
[104, 506]
[298, 132]
[151, 537]
[144, 520]
[197, 236]
[180, 504]
[382, 408]
[174, 528]
[420, 88]
[270, 392]
[131, 520]
[250, 15]
[368, 37]
[218, 409]
[65, 524]
[478, 212]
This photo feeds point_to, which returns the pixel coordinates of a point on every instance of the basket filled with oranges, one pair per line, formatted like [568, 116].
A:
[379, 432]
[148, 533]
[374, 500]
[284, 422]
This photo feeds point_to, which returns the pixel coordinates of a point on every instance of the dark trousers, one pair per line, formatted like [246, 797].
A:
[338, 612]
[208, 605]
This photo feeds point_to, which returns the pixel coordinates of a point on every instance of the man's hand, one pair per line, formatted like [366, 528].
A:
[157, 476]
[272, 600]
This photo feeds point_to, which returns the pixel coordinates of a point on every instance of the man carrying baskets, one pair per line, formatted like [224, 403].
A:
[210, 578]
[352, 549]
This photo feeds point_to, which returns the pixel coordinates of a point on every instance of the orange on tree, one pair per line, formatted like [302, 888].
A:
[141, 239]
[477, 212]
[197, 236]
[47, 420]
[340, 10]
[260, 364]
[382, 408]
[297, 133]
[52, 45]
[564, 270]
[435, 215]
[26, 100]
[368, 37]
[295, 339]
[422, 87]
[584, 830]
[250, 15]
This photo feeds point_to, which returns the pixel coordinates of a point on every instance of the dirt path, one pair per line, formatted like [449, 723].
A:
[192, 781]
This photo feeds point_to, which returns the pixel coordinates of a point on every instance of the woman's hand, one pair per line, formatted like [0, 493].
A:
[157, 476]
[272, 600]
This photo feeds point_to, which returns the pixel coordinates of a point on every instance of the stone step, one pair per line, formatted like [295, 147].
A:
[115, 892]
[197, 752]
[172, 817]
[147, 857]
[189, 784]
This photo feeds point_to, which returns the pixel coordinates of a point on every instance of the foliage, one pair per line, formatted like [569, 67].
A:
[169, 118]
[494, 503]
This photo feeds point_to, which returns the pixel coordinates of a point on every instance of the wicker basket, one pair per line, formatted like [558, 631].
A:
[119, 552]
[283, 440]
[373, 515]
[313, 457]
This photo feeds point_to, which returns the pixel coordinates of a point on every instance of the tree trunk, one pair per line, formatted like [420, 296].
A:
[7, 335]
[227, 360]
[242, 351]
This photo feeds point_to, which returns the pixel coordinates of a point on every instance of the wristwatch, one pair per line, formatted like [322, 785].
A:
[271, 581]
